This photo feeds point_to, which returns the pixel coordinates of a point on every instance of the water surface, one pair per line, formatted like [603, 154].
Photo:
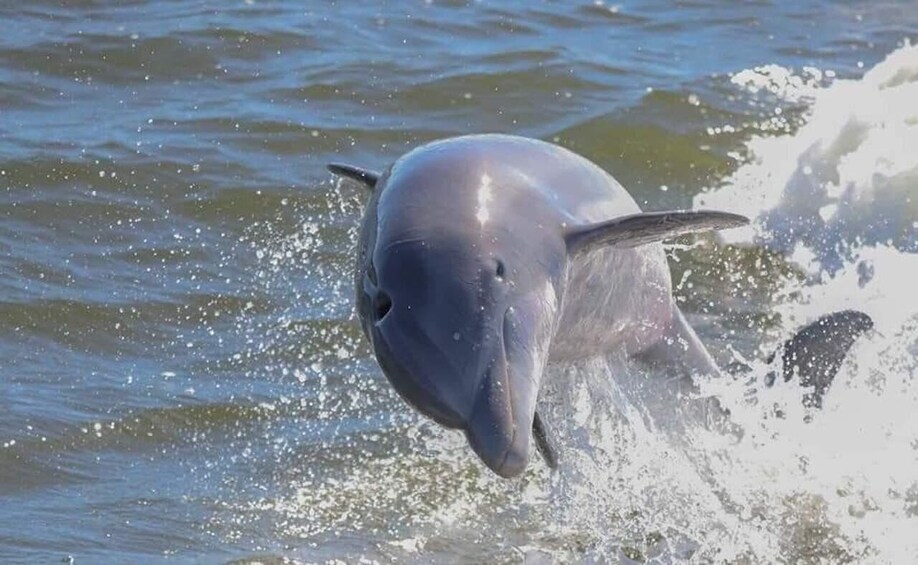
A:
[183, 378]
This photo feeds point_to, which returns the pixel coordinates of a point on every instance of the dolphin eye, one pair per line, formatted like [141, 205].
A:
[381, 305]
[500, 271]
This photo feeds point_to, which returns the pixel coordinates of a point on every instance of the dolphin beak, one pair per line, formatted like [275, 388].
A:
[500, 425]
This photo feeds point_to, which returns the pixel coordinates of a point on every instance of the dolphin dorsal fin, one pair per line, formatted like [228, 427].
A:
[363, 176]
[648, 227]
[816, 352]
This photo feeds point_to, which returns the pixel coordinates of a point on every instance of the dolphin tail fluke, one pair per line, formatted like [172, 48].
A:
[815, 353]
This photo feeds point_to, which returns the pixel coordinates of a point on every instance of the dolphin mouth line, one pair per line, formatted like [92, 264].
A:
[503, 460]
[508, 382]
[489, 381]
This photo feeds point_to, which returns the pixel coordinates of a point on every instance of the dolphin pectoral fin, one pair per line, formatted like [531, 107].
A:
[649, 227]
[363, 176]
[815, 353]
[543, 443]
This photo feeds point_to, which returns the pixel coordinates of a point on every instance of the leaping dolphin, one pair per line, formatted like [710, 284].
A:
[482, 257]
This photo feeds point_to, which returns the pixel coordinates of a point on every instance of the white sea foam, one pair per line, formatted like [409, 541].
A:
[847, 178]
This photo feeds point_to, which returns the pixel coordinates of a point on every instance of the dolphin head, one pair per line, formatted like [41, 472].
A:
[459, 300]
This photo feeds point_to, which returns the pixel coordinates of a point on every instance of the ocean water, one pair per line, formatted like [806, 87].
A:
[183, 379]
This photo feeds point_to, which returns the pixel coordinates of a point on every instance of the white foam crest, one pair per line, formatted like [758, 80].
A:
[781, 81]
[847, 178]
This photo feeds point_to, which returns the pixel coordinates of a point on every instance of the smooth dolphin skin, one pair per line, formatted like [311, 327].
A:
[481, 257]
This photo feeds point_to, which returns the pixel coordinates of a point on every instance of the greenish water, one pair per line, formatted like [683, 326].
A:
[182, 377]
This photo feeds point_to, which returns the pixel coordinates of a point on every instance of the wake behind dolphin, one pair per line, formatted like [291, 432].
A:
[482, 258]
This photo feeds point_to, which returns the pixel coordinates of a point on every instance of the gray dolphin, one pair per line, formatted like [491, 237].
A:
[482, 257]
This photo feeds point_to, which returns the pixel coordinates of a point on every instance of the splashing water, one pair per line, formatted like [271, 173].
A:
[838, 198]
[645, 476]
[846, 179]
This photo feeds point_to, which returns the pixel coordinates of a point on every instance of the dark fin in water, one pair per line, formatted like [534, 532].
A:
[543, 443]
[363, 176]
[649, 227]
[815, 354]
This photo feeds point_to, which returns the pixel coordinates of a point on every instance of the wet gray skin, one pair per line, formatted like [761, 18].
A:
[481, 256]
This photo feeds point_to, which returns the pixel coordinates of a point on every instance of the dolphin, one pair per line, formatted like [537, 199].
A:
[483, 257]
